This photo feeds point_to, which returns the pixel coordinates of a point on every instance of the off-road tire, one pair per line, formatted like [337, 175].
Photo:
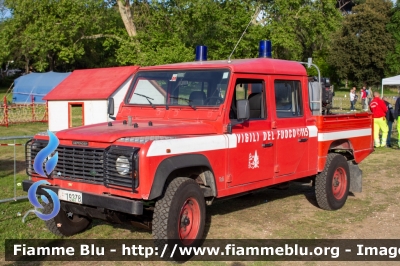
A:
[168, 214]
[331, 194]
[61, 225]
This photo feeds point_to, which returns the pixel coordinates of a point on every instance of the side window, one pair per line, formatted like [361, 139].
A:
[288, 98]
[254, 91]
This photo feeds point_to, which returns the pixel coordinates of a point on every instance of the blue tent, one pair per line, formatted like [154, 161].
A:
[36, 85]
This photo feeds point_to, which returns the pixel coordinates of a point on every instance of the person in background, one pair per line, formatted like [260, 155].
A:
[397, 117]
[389, 119]
[364, 99]
[379, 109]
[352, 99]
[369, 95]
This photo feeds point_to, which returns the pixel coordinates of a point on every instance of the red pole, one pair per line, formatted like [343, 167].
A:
[5, 111]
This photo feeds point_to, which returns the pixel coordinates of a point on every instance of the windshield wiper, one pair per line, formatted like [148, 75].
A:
[147, 98]
[184, 99]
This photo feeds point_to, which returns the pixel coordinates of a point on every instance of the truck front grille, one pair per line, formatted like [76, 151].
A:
[85, 164]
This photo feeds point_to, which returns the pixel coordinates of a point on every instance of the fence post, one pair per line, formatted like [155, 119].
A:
[5, 111]
[15, 172]
[46, 115]
[33, 108]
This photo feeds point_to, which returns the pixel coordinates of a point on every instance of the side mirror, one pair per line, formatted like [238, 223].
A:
[243, 109]
[110, 109]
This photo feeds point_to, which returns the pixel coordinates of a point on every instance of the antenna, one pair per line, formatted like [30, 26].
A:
[252, 17]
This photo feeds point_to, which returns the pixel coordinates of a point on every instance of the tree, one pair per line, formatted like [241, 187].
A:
[219, 25]
[360, 47]
[393, 57]
[346, 6]
[302, 28]
[3, 43]
[168, 31]
[52, 35]
[63, 35]
[125, 10]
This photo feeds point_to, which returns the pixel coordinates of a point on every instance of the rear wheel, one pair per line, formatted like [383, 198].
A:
[332, 184]
[180, 214]
[65, 223]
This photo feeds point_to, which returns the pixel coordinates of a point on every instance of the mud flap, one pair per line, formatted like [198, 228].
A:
[355, 177]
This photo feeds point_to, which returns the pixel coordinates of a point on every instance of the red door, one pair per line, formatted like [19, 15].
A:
[290, 129]
[253, 158]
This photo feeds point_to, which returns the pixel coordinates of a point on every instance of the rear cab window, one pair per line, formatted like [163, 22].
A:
[288, 100]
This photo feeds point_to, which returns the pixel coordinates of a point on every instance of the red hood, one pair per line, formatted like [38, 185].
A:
[104, 133]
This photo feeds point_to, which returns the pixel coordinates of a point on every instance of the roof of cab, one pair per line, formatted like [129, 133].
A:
[250, 66]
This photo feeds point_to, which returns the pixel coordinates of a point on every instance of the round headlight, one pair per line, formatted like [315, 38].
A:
[122, 165]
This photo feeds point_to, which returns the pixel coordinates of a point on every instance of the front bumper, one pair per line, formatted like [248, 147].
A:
[100, 201]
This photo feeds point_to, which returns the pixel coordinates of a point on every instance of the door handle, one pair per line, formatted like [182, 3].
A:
[303, 140]
[267, 145]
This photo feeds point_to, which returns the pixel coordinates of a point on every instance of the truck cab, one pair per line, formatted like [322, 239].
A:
[191, 133]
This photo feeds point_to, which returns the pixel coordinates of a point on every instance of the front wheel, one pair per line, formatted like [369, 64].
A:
[65, 223]
[180, 214]
[332, 184]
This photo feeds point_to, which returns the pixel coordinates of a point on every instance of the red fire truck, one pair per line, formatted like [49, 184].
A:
[188, 134]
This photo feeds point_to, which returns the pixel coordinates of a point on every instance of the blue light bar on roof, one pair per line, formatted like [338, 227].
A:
[265, 49]
[201, 53]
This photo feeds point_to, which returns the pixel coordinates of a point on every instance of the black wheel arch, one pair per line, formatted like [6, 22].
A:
[195, 163]
[344, 147]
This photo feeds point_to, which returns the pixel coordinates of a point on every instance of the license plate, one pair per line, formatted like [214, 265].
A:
[70, 196]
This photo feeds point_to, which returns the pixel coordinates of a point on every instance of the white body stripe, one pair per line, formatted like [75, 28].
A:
[344, 134]
[232, 139]
[194, 144]
[312, 131]
[229, 141]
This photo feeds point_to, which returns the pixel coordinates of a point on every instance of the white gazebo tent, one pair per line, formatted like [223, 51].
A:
[390, 81]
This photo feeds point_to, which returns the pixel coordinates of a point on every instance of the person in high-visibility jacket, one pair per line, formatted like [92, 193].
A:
[379, 109]
[397, 117]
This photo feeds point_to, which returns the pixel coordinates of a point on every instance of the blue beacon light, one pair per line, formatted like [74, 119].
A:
[201, 53]
[265, 49]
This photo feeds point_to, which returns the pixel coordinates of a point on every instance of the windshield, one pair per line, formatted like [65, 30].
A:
[179, 87]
